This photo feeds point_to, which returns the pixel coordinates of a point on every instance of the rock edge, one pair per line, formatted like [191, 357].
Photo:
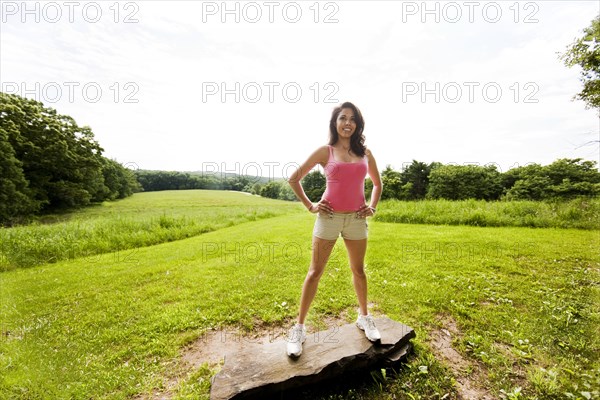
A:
[260, 370]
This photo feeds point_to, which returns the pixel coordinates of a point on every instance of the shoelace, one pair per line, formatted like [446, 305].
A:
[295, 335]
[370, 322]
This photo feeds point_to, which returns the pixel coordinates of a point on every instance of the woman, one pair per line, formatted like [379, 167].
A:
[341, 210]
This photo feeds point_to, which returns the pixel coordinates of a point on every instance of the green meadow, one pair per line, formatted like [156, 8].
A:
[102, 303]
[138, 221]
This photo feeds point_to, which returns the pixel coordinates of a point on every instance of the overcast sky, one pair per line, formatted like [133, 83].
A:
[249, 86]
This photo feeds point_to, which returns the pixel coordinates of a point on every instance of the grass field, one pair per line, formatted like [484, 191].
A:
[580, 213]
[138, 221]
[523, 304]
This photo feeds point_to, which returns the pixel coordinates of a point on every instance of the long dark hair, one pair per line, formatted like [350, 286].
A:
[357, 140]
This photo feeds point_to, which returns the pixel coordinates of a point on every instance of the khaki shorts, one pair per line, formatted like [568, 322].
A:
[349, 225]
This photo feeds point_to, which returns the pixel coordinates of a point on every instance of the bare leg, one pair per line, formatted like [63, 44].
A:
[356, 253]
[321, 250]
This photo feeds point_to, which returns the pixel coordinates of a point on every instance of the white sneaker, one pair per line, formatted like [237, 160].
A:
[366, 323]
[295, 338]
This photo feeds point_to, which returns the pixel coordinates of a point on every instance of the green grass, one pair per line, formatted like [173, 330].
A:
[579, 213]
[143, 219]
[114, 326]
[147, 219]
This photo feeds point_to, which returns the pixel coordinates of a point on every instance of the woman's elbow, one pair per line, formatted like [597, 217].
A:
[292, 181]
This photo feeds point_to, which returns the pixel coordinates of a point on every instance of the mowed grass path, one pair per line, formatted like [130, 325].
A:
[114, 326]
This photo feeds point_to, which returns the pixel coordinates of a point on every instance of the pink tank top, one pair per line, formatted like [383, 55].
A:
[345, 188]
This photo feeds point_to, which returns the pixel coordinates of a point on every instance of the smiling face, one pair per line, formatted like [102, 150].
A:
[345, 123]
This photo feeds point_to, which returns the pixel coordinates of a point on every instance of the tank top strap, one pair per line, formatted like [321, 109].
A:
[330, 152]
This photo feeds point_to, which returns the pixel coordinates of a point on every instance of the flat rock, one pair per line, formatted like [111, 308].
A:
[260, 370]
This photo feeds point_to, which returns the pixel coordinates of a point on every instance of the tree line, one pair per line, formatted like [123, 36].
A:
[49, 163]
[176, 180]
[563, 179]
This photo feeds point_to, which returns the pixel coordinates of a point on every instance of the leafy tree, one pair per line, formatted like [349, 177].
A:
[128, 182]
[574, 169]
[174, 180]
[585, 52]
[237, 182]
[286, 192]
[247, 188]
[406, 192]
[368, 188]
[533, 187]
[256, 188]
[314, 185]
[60, 162]
[459, 182]
[564, 178]
[392, 183]
[510, 177]
[15, 196]
[573, 177]
[120, 181]
[415, 180]
[271, 190]
[567, 189]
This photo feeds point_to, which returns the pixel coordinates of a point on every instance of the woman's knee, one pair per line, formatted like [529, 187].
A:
[314, 274]
[359, 272]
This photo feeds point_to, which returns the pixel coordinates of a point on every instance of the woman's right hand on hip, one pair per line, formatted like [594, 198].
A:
[322, 206]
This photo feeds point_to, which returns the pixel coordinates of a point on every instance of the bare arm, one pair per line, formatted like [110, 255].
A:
[319, 156]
